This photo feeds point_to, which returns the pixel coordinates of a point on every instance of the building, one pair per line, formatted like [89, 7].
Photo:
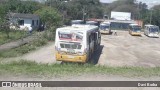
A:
[21, 21]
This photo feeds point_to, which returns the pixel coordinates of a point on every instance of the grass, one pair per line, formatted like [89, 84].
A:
[13, 35]
[31, 68]
[41, 41]
[23, 49]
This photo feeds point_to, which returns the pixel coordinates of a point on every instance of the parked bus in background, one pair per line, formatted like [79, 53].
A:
[92, 23]
[73, 22]
[105, 27]
[134, 30]
[151, 31]
[76, 43]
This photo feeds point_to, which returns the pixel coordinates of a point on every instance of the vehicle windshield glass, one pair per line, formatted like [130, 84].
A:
[137, 28]
[71, 36]
[71, 46]
[154, 29]
[92, 23]
[77, 22]
[104, 27]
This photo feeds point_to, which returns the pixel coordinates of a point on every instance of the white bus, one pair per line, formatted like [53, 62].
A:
[105, 28]
[134, 30]
[73, 22]
[92, 23]
[76, 43]
[151, 31]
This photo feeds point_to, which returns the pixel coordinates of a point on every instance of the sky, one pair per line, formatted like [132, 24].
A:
[150, 3]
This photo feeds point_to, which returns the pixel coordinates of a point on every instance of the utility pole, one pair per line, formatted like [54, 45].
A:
[84, 14]
[151, 16]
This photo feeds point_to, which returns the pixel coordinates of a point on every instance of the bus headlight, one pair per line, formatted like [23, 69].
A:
[57, 49]
[80, 53]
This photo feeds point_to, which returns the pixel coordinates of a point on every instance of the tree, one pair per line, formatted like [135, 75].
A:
[4, 22]
[76, 8]
[49, 16]
[155, 17]
[19, 6]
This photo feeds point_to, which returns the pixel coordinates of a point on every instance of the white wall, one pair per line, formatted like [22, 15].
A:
[27, 23]
[121, 15]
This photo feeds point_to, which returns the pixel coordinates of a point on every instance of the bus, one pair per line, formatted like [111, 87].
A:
[76, 43]
[151, 31]
[134, 30]
[92, 23]
[105, 28]
[73, 22]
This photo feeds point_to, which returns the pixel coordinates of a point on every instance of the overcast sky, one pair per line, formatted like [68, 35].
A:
[150, 3]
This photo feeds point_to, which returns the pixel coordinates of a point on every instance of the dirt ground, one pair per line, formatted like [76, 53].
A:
[127, 50]
[120, 50]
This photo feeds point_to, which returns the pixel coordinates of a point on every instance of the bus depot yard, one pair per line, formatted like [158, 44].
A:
[121, 50]
[120, 58]
[127, 50]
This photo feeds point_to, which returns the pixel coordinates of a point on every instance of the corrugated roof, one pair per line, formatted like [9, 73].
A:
[22, 15]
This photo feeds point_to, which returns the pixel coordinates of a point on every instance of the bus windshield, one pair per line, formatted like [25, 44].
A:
[136, 29]
[76, 22]
[154, 29]
[71, 36]
[103, 27]
[92, 23]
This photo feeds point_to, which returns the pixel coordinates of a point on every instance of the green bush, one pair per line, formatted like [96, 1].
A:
[50, 34]
[13, 35]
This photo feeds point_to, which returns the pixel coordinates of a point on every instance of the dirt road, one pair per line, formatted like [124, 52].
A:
[43, 55]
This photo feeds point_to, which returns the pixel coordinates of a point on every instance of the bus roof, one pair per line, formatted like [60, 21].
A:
[149, 25]
[78, 28]
[105, 22]
[91, 22]
[77, 21]
[133, 24]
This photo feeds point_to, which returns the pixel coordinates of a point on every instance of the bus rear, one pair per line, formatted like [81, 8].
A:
[69, 46]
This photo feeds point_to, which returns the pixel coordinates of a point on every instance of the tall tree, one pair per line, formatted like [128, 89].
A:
[49, 17]
[76, 8]
[19, 6]
[155, 15]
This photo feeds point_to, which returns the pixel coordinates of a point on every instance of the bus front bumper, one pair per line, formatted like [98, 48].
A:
[71, 58]
[154, 35]
[104, 32]
[136, 34]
